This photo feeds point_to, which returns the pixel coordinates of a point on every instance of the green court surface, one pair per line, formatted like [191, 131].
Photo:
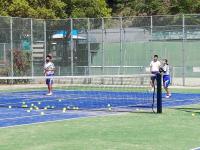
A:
[175, 129]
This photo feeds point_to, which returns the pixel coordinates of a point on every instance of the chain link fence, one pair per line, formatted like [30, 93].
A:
[96, 46]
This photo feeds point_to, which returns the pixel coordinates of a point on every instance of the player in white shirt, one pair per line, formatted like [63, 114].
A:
[166, 77]
[154, 69]
[49, 69]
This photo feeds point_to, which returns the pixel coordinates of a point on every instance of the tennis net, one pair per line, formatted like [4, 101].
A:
[98, 92]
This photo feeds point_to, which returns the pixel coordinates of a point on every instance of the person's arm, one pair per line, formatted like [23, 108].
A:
[150, 67]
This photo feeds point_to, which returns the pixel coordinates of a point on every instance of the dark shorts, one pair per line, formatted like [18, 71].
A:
[153, 78]
[49, 81]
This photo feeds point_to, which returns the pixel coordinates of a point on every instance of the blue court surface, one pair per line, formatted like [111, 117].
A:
[20, 108]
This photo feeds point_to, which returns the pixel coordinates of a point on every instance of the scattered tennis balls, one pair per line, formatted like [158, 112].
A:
[193, 114]
[42, 113]
[9, 107]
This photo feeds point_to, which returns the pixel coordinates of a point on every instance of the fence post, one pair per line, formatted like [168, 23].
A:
[103, 29]
[183, 49]
[11, 45]
[32, 69]
[88, 42]
[71, 47]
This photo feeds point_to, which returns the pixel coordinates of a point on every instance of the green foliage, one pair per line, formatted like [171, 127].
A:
[87, 8]
[33, 8]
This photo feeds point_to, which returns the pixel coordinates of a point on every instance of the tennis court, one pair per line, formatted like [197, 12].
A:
[30, 107]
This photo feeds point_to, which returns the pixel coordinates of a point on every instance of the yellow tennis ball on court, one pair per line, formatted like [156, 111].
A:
[23, 103]
[39, 103]
[193, 114]
[45, 108]
[32, 104]
[31, 108]
[42, 113]
[9, 107]
[110, 109]
[108, 105]
[28, 111]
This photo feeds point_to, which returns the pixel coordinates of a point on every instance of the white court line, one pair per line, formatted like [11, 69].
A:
[60, 120]
[197, 148]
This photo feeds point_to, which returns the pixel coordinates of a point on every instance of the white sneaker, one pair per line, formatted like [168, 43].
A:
[49, 94]
[168, 96]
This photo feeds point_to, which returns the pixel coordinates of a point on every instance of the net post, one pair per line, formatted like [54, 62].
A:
[159, 92]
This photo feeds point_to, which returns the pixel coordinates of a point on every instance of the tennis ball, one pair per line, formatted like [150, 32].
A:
[52, 107]
[110, 109]
[31, 108]
[24, 106]
[68, 107]
[36, 108]
[108, 105]
[59, 100]
[39, 103]
[32, 104]
[42, 113]
[193, 114]
[28, 111]
[23, 103]
[45, 108]
[9, 107]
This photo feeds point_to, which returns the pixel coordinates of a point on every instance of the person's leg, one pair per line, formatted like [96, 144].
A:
[166, 85]
[49, 83]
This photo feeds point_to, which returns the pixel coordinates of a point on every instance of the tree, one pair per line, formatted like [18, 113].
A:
[33, 8]
[87, 8]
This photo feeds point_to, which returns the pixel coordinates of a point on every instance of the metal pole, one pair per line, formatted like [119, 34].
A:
[32, 67]
[11, 45]
[103, 71]
[151, 28]
[45, 40]
[71, 47]
[88, 42]
[4, 52]
[183, 51]
[159, 93]
[121, 46]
